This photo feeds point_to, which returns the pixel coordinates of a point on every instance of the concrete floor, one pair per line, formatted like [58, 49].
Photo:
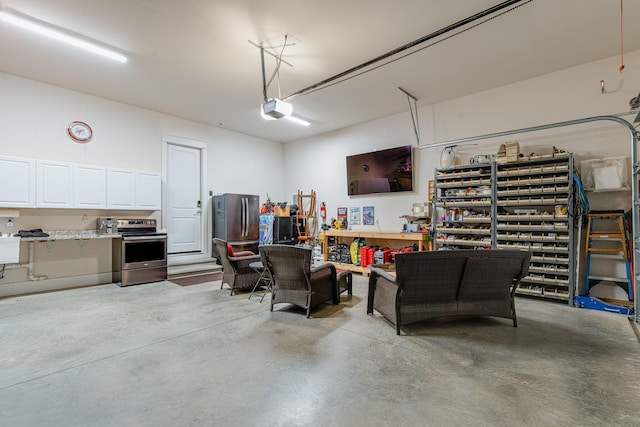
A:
[164, 355]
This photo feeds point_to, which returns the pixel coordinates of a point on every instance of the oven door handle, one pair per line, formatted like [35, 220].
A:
[130, 238]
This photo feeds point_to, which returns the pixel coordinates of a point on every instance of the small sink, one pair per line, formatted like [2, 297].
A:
[9, 249]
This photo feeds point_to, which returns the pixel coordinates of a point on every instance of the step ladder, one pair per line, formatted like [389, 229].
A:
[612, 244]
[306, 218]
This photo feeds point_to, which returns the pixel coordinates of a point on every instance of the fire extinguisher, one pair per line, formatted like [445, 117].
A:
[323, 212]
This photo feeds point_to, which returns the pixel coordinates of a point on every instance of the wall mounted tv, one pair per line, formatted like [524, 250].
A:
[382, 171]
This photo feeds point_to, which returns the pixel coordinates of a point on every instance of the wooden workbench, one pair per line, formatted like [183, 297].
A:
[373, 238]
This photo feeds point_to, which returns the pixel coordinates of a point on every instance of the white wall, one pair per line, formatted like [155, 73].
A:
[319, 162]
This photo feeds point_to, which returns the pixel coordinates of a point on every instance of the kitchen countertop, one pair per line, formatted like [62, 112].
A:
[72, 235]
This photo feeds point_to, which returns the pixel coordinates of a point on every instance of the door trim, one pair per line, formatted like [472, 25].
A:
[205, 219]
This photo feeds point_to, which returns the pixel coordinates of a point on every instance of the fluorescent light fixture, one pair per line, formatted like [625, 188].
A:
[48, 30]
[297, 120]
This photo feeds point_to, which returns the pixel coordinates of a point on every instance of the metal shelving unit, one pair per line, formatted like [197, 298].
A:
[535, 207]
[464, 199]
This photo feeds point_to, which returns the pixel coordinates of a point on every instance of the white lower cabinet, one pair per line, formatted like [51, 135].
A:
[54, 184]
[17, 182]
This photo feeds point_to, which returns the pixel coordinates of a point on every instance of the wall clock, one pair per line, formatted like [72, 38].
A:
[79, 131]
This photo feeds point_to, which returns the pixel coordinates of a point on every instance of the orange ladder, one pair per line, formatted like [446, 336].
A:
[306, 218]
[616, 246]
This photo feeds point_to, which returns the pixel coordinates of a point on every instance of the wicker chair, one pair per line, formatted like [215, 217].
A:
[428, 285]
[295, 281]
[235, 269]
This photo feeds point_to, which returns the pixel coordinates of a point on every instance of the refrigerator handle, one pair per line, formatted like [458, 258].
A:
[243, 218]
[246, 217]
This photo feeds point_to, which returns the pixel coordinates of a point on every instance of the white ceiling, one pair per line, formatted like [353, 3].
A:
[192, 58]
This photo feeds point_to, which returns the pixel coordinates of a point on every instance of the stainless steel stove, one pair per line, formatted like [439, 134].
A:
[140, 256]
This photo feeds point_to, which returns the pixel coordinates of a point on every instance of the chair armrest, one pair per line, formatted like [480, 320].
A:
[383, 273]
[321, 271]
[243, 254]
[323, 266]
[514, 288]
[524, 272]
[384, 277]
[243, 261]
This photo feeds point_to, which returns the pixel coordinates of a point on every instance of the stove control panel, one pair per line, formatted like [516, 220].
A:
[134, 224]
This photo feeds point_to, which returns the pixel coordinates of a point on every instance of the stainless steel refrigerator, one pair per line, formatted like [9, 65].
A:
[236, 219]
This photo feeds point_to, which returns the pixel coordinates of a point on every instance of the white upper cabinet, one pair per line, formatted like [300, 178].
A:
[54, 184]
[130, 189]
[17, 182]
[121, 188]
[90, 186]
[148, 190]
[29, 183]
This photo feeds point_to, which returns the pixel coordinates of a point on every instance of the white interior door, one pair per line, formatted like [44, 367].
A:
[184, 215]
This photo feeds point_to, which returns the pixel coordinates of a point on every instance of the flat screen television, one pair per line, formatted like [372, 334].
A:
[382, 171]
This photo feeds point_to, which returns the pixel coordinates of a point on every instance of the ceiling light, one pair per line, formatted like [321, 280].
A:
[48, 30]
[276, 108]
[297, 120]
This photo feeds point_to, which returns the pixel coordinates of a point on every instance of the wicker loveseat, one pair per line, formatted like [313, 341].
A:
[428, 285]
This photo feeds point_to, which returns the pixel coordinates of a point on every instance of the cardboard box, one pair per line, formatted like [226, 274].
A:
[513, 151]
[278, 211]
